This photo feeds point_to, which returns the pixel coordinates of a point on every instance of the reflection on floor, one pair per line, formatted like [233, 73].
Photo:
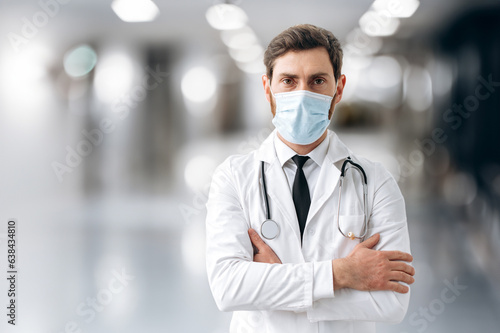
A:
[163, 287]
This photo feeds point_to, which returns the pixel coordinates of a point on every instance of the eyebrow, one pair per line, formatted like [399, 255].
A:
[294, 76]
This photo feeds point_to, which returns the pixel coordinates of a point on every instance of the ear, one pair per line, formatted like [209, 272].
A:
[340, 88]
[267, 88]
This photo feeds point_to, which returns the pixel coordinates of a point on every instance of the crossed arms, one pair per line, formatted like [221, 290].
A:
[367, 284]
[363, 269]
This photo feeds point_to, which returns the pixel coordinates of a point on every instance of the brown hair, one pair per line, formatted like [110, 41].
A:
[304, 37]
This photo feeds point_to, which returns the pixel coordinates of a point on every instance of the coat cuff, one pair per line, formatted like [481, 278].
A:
[322, 280]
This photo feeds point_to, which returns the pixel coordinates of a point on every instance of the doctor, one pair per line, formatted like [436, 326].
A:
[300, 273]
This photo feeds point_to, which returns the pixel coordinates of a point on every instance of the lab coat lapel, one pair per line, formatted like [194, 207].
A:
[328, 176]
[277, 186]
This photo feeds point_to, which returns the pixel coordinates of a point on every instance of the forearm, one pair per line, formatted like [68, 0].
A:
[366, 290]
[340, 278]
[243, 285]
[351, 304]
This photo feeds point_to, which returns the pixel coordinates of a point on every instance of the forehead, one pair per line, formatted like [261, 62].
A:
[304, 62]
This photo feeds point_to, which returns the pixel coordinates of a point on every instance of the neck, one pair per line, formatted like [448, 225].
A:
[303, 149]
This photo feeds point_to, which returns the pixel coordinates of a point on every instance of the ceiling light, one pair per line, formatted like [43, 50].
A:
[79, 61]
[198, 172]
[252, 53]
[239, 38]
[114, 77]
[254, 67]
[397, 8]
[374, 23]
[384, 72]
[359, 43]
[225, 16]
[135, 10]
[199, 84]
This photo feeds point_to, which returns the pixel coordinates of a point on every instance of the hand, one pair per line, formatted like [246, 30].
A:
[368, 269]
[262, 251]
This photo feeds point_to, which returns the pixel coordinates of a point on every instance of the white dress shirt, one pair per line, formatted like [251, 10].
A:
[311, 168]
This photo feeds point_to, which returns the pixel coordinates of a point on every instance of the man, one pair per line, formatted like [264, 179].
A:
[305, 276]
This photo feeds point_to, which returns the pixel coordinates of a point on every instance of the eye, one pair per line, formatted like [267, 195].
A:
[287, 81]
[319, 81]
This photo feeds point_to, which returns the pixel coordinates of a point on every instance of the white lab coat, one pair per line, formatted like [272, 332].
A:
[297, 296]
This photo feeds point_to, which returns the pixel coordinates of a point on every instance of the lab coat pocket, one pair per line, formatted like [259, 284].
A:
[349, 224]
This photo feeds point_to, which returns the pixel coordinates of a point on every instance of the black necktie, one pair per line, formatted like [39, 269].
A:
[301, 197]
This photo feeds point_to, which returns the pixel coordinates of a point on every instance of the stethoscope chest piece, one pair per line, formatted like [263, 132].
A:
[269, 229]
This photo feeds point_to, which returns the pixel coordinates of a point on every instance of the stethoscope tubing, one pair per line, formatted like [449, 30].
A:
[365, 198]
[266, 199]
[342, 176]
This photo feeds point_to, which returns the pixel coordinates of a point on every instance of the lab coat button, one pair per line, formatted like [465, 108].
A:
[311, 231]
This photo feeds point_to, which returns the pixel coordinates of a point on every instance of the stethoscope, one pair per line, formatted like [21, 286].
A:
[269, 229]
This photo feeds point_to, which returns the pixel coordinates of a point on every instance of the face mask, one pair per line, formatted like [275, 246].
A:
[301, 116]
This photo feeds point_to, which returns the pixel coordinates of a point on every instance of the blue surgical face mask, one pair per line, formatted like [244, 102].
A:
[301, 116]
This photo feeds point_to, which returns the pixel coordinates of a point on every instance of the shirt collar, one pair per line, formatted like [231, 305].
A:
[285, 153]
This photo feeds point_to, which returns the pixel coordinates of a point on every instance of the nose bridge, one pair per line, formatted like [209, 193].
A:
[302, 85]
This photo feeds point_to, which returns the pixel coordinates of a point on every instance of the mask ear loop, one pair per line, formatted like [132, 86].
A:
[271, 89]
[336, 86]
[333, 99]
